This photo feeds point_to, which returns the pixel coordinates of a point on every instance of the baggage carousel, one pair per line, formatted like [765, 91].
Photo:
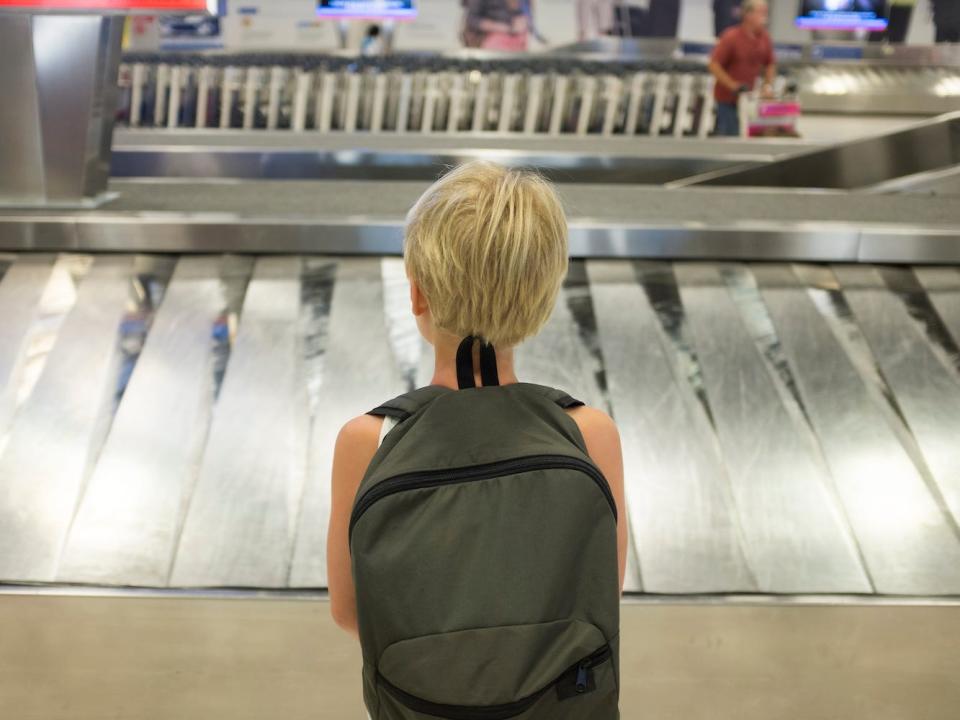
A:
[775, 328]
[168, 421]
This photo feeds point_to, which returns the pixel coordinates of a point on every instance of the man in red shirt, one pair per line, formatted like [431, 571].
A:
[738, 60]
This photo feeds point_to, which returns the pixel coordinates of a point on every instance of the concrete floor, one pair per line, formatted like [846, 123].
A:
[175, 658]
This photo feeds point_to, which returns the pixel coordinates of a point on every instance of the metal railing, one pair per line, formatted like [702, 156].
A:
[409, 94]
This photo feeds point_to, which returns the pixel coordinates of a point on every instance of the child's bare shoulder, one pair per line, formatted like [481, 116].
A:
[359, 435]
[594, 421]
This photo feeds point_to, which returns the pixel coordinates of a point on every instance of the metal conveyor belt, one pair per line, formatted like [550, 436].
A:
[169, 421]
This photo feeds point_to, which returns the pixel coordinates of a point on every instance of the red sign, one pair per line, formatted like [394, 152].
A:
[160, 6]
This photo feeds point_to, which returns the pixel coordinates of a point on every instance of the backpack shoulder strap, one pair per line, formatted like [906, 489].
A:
[409, 403]
[558, 397]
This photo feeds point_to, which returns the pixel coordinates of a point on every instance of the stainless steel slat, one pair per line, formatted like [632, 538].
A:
[559, 357]
[127, 526]
[796, 538]
[415, 357]
[58, 299]
[136, 94]
[55, 437]
[21, 289]
[240, 525]
[204, 77]
[678, 494]
[177, 74]
[909, 546]
[927, 392]
[707, 112]
[562, 355]
[162, 80]
[943, 287]
[359, 373]
[633, 105]
[251, 92]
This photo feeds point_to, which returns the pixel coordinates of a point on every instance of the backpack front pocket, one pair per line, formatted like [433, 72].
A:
[555, 669]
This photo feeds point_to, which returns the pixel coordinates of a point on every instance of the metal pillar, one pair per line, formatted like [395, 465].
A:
[58, 81]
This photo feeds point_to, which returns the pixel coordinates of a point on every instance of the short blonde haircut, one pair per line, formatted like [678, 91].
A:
[488, 248]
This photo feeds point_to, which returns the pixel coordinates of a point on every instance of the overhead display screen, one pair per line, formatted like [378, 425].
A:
[111, 6]
[368, 9]
[843, 15]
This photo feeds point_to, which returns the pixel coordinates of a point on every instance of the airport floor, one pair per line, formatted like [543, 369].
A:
[175, 657]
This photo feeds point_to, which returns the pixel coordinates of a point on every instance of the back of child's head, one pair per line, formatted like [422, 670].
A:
[488, 248]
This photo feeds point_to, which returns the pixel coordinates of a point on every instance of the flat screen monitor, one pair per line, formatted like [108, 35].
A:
[843, 15]
[112, 6]
[368, 9]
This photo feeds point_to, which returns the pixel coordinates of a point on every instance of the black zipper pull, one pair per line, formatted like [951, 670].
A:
[582, 677]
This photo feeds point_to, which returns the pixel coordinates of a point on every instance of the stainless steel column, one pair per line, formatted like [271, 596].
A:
[58, 81]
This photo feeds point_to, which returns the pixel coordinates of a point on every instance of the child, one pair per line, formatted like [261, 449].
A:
[486, 254]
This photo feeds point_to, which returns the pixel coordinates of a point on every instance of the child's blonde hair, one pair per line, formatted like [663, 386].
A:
[488, 248]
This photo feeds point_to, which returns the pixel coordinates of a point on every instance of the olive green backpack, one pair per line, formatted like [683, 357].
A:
[484, 550]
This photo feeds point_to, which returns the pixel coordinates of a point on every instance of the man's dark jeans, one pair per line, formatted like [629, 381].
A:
[728, 120]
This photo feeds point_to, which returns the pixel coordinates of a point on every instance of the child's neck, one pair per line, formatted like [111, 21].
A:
[445, 363]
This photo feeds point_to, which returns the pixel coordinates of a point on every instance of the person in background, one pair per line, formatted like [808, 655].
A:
[901, 12]
[372, 41]
[595, 18]
[946, 16]
[898, 26]
[742, 54]
[504, 25]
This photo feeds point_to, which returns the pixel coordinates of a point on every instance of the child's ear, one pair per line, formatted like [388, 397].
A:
[417, 301]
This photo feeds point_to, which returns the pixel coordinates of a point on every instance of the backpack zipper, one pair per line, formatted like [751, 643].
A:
[506, 710]
[453, 476]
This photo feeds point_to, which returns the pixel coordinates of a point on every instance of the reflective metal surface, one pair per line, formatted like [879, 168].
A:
[608, 87]
[242, 518]
[943, 287]
[605, 221]
[907, 541]
[785, 429]
[796, 536]
[682, 514]
[565, 353]
[56, 437]
[58, 75]
[21, 153]
[21, 289]
[927, 146]
[410, 94]
[359, 372]
[77, 95]
[128, 524]
[361, 164]
[925, 381]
